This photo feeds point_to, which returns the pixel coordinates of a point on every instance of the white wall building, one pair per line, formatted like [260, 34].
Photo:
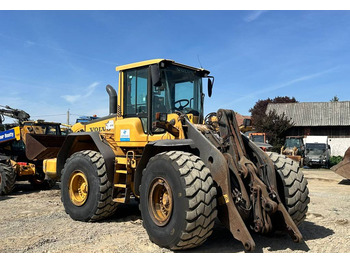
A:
[330, 119]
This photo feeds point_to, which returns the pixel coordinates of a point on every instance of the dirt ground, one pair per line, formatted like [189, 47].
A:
[35, 222]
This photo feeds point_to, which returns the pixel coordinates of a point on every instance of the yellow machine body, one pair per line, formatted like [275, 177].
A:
[157, 115]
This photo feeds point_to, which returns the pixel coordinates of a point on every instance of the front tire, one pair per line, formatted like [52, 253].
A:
[86, 192]
[177, 200]
[292, 186]
[7, 178]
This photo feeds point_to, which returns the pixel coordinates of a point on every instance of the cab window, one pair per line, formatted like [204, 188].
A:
[136, 92]
[135, 98]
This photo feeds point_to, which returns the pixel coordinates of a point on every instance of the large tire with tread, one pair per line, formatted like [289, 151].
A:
[192, 192]
[96, 201]
[7, 178]
[292, 186]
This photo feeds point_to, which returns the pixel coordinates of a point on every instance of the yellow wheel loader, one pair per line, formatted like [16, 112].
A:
[294, 149]
[23, 146]
[186, 170]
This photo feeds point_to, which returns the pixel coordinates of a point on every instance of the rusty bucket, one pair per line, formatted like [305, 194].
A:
[343, 168]
[42, 147]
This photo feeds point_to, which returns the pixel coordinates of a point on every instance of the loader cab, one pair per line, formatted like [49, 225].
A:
[161, 87]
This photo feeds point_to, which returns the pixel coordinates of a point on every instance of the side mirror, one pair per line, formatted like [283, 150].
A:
[155, 75]
[210, 85]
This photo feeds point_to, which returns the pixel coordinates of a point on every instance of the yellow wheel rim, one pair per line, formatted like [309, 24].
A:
[160, 201]
[78, 188]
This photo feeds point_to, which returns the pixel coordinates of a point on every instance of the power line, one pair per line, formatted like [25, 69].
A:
[59, 115]
[50, 115]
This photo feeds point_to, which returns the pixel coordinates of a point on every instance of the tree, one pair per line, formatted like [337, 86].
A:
[259, 110]
[273, 125]
[334, 99]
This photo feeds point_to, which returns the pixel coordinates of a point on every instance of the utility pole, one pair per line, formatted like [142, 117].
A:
[68, 117]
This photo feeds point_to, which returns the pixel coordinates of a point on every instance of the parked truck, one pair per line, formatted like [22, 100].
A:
[260, 140]
[317, 151]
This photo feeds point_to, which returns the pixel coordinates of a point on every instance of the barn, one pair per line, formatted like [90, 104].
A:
[330, 119]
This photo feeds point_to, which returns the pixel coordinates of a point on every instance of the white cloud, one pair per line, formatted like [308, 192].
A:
[253, 16]
[73, 98]
[29, 43]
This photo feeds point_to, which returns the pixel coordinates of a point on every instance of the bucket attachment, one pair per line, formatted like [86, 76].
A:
[247, 191]
[343, 168]
[42, 147]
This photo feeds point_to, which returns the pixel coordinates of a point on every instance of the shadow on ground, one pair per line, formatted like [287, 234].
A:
[24, 188]
[125, 213]
[221, 241]
[344, 182]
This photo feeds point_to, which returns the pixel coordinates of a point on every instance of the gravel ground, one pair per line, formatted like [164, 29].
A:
[35, 222]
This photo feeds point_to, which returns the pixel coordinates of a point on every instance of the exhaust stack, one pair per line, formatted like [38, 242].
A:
[113, 97]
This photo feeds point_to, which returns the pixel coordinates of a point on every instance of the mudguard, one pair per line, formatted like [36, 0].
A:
[75, 142]
[156, 147]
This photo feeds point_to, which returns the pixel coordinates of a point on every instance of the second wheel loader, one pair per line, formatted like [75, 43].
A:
[23, 146]
[186, 170]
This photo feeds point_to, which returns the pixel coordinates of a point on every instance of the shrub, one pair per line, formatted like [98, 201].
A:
[335, 160]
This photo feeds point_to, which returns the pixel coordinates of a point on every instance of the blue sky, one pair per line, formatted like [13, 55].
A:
[52, 61]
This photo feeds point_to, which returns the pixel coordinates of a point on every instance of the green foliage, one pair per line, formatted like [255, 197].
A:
[335, 160]
[259, 110]
[275, 127]
[334, 99]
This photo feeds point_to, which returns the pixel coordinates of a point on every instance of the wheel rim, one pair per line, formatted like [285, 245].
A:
[160, 201]
[78, 188]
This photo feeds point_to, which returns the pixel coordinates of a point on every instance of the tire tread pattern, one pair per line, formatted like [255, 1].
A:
[106, 206]
[8, 179]
[201, 196]
[296, 192]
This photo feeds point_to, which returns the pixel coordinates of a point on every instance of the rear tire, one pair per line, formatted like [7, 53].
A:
[86, 192]
[7, 178]
[184, 216]
[292, 186]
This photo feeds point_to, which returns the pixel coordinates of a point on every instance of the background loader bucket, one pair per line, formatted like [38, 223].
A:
[42, 147]
[343, 168]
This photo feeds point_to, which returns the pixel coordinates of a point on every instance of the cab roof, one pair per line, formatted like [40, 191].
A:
[157, 61]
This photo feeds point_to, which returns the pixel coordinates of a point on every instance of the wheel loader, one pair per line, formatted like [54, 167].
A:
[23, 146]
[185, 169]
[294, 149]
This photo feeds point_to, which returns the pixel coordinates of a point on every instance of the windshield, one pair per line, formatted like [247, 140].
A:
[293, 142]
[45, 129]
[258, 138]
[180, 91]
[316, 148]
